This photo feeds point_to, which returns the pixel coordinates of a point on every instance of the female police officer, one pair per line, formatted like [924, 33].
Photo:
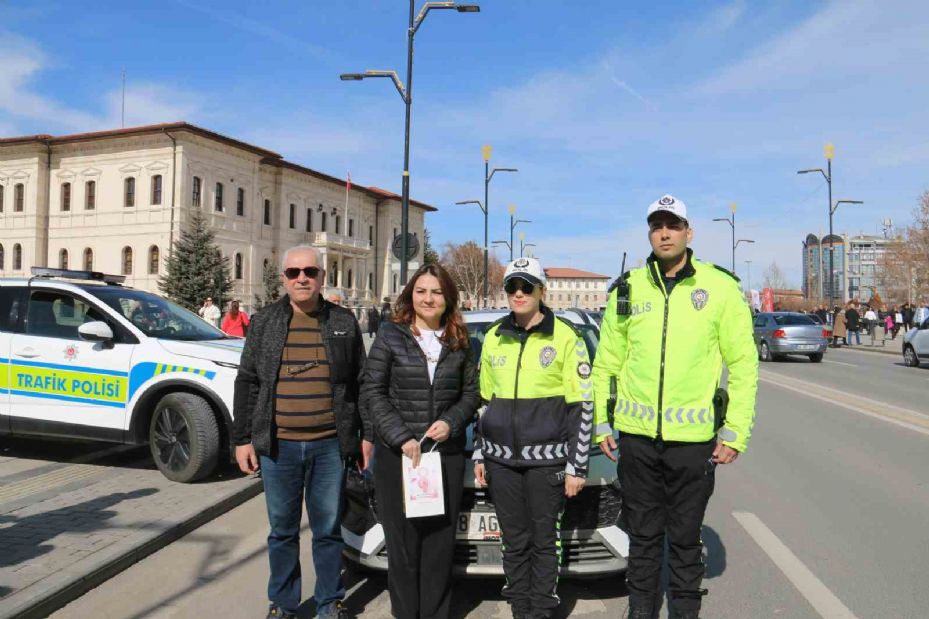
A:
[534, 435]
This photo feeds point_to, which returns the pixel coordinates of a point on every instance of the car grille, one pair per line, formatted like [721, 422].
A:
[574, 551]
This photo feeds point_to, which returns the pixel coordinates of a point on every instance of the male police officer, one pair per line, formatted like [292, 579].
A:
[534, 434]
[666, 332]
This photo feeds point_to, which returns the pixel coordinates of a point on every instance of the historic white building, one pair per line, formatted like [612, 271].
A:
[115, 201]
[575, 288]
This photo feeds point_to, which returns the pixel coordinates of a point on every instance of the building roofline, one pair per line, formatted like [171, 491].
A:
[269, 157]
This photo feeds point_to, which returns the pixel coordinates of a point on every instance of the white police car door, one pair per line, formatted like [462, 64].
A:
[60, 383]
[11, 304]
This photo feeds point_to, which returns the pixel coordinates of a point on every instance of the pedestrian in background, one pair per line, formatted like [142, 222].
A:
[421, 385]
[890, 326]
[852, 324]
[210, 312]
[235, 322]
[870, 320]
[386, 314]
[374, 320]
[296, 418]
[667, 330]
[839, 330]
[533, 439]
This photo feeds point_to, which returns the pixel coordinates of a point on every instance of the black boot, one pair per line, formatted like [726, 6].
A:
[686, 606]
[641, 610]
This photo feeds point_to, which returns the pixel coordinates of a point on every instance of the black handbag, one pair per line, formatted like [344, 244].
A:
[359, 508]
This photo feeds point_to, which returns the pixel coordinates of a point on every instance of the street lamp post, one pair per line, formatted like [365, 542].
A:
[406, 94]
[513, 224]
[523, 245]
[731, 221]
[486, 151]
[829, 152]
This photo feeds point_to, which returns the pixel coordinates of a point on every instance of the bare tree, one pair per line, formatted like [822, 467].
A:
[774, 277]
[904, 268]
[465, 263]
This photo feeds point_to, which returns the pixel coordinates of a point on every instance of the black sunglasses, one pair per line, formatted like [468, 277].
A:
[512, 285]
[294, 272]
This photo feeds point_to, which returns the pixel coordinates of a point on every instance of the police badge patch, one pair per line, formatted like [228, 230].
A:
[583, 369]
[546, 356]
[699, 297]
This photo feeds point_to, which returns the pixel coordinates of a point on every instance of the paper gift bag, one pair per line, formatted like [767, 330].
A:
[423, 494]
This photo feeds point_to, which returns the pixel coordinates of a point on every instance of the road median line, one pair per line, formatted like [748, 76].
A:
[903, 417]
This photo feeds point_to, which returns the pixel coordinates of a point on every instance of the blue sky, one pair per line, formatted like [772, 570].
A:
[602, 105]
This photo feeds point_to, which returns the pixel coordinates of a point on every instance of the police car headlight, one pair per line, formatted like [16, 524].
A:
[224, 364]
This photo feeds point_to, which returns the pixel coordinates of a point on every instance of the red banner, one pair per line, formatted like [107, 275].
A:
[767, 300]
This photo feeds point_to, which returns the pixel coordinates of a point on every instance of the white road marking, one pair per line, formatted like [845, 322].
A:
[851, 365]
[903, 417]
[816, 593]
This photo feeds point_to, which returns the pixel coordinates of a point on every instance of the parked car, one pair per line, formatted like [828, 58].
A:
[84, 357]
[789, 333]
[592, 542]
[916, 345]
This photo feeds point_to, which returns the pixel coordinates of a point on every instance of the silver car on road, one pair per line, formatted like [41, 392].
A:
[788, 333]
[916, 345]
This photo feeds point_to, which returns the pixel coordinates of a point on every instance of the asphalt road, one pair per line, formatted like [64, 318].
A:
[825, 516]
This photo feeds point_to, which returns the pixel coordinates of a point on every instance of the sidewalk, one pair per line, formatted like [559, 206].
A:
[889, 347]
[66, 527]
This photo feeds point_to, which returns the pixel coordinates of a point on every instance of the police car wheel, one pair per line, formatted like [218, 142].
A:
[184, 437]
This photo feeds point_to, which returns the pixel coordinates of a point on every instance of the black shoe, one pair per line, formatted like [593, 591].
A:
[276, 612]
[337, 611]
[685, 614]
[641, 611]
[520, 611]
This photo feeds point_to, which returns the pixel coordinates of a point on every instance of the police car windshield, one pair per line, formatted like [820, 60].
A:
[156, 316]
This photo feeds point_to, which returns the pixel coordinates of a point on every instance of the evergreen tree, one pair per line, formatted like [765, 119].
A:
[271, 286]
[430, 255]
[196, 268]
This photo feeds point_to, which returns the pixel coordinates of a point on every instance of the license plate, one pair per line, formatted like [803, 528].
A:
[478, 526]
[808, 347]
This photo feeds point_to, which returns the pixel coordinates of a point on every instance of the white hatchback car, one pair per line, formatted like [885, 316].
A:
[592, 542]
[82, 356]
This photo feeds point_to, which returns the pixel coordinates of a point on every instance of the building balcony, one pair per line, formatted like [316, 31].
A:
[331, 240]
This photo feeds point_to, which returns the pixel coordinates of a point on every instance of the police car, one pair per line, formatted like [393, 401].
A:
[592, 542]
[82, 356]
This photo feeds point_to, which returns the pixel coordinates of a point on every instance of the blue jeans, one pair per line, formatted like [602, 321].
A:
[312, 470]
[854, 334]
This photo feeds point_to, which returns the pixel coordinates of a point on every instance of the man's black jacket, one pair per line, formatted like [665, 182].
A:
[402, 403]
[256, 382]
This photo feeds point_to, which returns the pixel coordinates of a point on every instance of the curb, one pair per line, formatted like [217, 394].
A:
[53, 593]
[879, 351]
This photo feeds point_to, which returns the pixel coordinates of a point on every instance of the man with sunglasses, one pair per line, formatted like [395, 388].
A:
[534, 435]
[297, 419]
[666, 332]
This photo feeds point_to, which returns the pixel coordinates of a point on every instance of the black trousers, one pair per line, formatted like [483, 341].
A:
[665, 491]
[419, 550]
[529, 503]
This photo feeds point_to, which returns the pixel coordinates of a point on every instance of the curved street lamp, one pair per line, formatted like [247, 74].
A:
[406, 93]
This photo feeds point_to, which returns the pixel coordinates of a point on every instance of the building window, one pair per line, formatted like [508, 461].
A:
[237, 266]
[129, 192]
[90, 195]
[196, 191]
[2, 256]
[292, 217]
[322, 223]
[393, 288]
[154, 260]
[370, 281]
[66, 196]
[267, 215]
[218, 198]
[338, 223]
[127, 261]
[156, 190]
[348, 279]
[63, 259]
[1, 200]
[371, 234]
[240, 202]
[19, 197]
[17, 257]
[88, 259]
[333, 273]
[309, 219]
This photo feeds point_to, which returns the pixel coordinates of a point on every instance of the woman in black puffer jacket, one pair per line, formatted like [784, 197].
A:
[421, 383]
